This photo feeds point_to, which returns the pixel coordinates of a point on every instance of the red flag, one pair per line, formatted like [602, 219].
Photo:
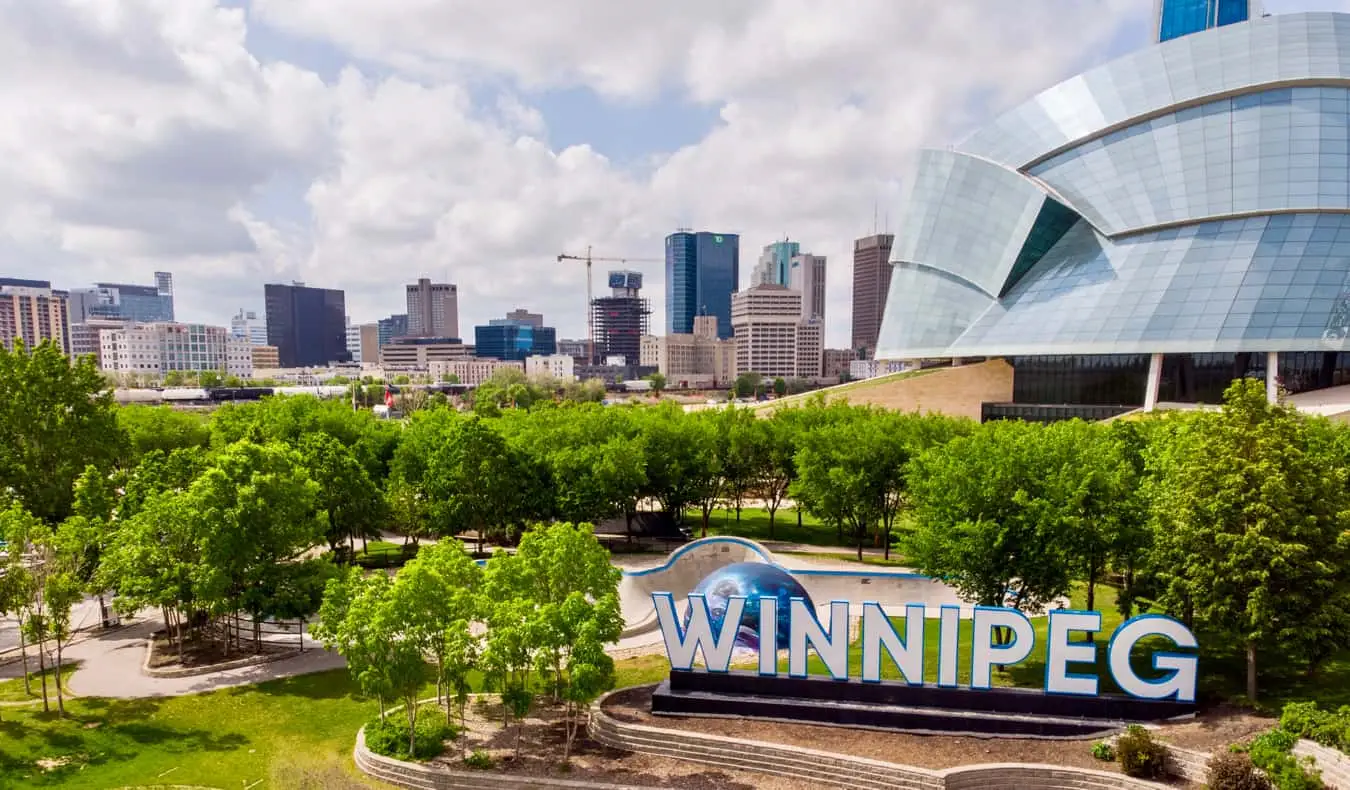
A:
[388, 398]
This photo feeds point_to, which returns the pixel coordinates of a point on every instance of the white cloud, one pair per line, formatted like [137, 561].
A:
[142, 134]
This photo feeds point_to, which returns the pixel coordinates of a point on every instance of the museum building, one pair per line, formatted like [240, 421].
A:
[1146, 231]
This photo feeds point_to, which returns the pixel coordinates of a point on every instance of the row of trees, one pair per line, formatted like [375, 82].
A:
[536, 620]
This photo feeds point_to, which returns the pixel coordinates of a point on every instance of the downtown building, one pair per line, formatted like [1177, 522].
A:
[308, 326]
[871, 283]
[31, 312]
[155, 349]
[620, 319]
[433, 309]
[1146, 231]
[515, 339]
[703, 270]
[772, 337]
[699, 360]
[775, 263]
[1176, 18]
[246, 325]
[123, 302]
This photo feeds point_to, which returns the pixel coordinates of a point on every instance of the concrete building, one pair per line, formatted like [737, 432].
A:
[702, 272]
[265, 357]
[307, 325]
[836, 362]
[124, 302]
[246, 325]
[694, 361]
[433, 309]
[871, 283]
[772, 338]
[32, 312]
[417, 353]
[522, 315]
[806, 276]
[85, 337]
[239, 357]
[576, 349]
[557, 366]
[353, 338]
[158, 348]
[369, 340]
[471, 372]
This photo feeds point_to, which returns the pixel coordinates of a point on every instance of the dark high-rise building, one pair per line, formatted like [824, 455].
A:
[703, 270]
[512, 339]
[308, 326]
[871, 283]
[620, 319]
[1177, 18]
[392, 327]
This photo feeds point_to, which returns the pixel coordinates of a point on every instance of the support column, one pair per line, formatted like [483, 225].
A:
[1154, 379]
[1272, 377]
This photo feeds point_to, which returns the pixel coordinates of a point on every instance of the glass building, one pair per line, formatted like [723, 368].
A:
[1181, 214]
[702, 272]
[1177, 18]
[308, 326]
[123, 302]
[513, 339]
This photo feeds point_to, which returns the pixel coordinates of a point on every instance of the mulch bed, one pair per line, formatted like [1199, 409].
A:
[199, 652]
[1217, 728]
[541, 750]
[934, 752]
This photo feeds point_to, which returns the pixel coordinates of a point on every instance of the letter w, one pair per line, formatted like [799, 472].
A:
[683, 643]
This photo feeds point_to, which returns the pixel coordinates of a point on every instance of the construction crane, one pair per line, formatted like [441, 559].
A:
[590, 299]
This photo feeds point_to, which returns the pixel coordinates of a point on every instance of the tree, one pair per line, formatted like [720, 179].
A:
[747, 385]
[17, 527]
[658, 382]
[987, 520]
[1254, 547]
[57, 588]
[469, 478]
[57, 419]
[596, 481]
[346, 493]
[742, 454]
[163, 428]
[780, 386]
[435, 599]
[777, 467]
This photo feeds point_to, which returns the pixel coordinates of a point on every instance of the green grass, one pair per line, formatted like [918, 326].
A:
[754, 524]
[223, 739]
[12, 690]
[896, 561]
[843, 389]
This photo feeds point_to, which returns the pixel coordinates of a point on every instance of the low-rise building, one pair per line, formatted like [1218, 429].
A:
[239, 357]
[556, 366]
[835, 362]
[871, 368]
[265, 358]
[694, 361]
[417, 353]
[86, 340]
[162, 347]
[471, 371]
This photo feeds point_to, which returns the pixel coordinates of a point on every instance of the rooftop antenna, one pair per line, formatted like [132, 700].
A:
[874, 217]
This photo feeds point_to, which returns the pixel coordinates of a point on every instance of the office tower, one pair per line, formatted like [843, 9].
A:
[370, 343]
[32, 312]
[353, 339]
[1177, 18]
[308, 326]
[521, 314]
[620, 319]
[124, 302]
[871, 284]
[702, 272]
[433, 309]
[772, 337]
[697, 360]
[806, 276]
[775, 263]
[513, 339]
[392, 327]
[245, 325]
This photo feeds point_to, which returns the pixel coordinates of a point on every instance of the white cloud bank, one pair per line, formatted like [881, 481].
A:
[138, 135]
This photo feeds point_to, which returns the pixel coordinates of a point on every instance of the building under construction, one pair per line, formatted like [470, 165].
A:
[620, 319]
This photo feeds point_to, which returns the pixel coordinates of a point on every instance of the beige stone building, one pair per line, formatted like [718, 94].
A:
[265, 357]
[415, 353]
[693, 361]
[472, 371]
[772, 338]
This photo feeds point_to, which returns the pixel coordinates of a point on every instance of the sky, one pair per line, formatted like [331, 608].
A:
[360, 145]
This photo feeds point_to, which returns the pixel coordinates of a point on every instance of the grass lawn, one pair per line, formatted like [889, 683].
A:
[754, 524]
[896, 561]
[223, 739]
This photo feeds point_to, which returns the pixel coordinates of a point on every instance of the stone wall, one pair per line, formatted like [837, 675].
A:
[1334, 765]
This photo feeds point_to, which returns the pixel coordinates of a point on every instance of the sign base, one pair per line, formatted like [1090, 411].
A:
[999, 712]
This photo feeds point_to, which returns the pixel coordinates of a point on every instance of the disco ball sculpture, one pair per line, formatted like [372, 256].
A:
[753, 580]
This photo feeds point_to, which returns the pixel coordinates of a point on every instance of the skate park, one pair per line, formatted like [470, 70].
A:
[824, 580]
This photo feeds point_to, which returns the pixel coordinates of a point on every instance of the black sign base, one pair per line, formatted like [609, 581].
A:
[999, 712]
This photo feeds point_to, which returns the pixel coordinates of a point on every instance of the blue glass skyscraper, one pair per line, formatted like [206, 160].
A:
[1177, 18]
[703, 270]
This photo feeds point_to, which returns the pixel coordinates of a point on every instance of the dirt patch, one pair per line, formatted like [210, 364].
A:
[541, 749]
[1216, 729]
[199, 651]
[934, 752]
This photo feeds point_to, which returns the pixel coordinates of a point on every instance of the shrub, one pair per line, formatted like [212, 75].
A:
[1270, 752]
[479, 759]
[1235, 771]
[1103, 751]
[390, 737]
[1140, 756]
[1328, 728]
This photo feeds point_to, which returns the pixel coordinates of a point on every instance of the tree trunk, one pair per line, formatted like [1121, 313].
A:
[1251, 671]
[799, 517]
[1092, 572]
[862, 536]
[886, 547]
[23, 656]
[569, 731]
[411, 707]
[42, 668]
[706, 514]
[1129, 590]
[60, 698]
[773, 509]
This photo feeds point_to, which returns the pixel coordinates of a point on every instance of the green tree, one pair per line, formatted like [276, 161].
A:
[435, 599]
[747, 385]
[469, 480]
[658, 383]
[346, 494]
[163, 428]
[780, 386]
[1251, 528]
[57, 418]
[210, 378]
[17, 585]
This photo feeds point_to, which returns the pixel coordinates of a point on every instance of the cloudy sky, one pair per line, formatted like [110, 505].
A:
[360, 144]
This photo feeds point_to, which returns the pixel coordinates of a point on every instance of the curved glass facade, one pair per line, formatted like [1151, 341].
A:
[1191, 199]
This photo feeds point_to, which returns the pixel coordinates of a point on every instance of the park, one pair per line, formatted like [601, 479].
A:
[292, 593]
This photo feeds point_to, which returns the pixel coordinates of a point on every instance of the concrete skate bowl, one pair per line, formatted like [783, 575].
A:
[691, 563]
